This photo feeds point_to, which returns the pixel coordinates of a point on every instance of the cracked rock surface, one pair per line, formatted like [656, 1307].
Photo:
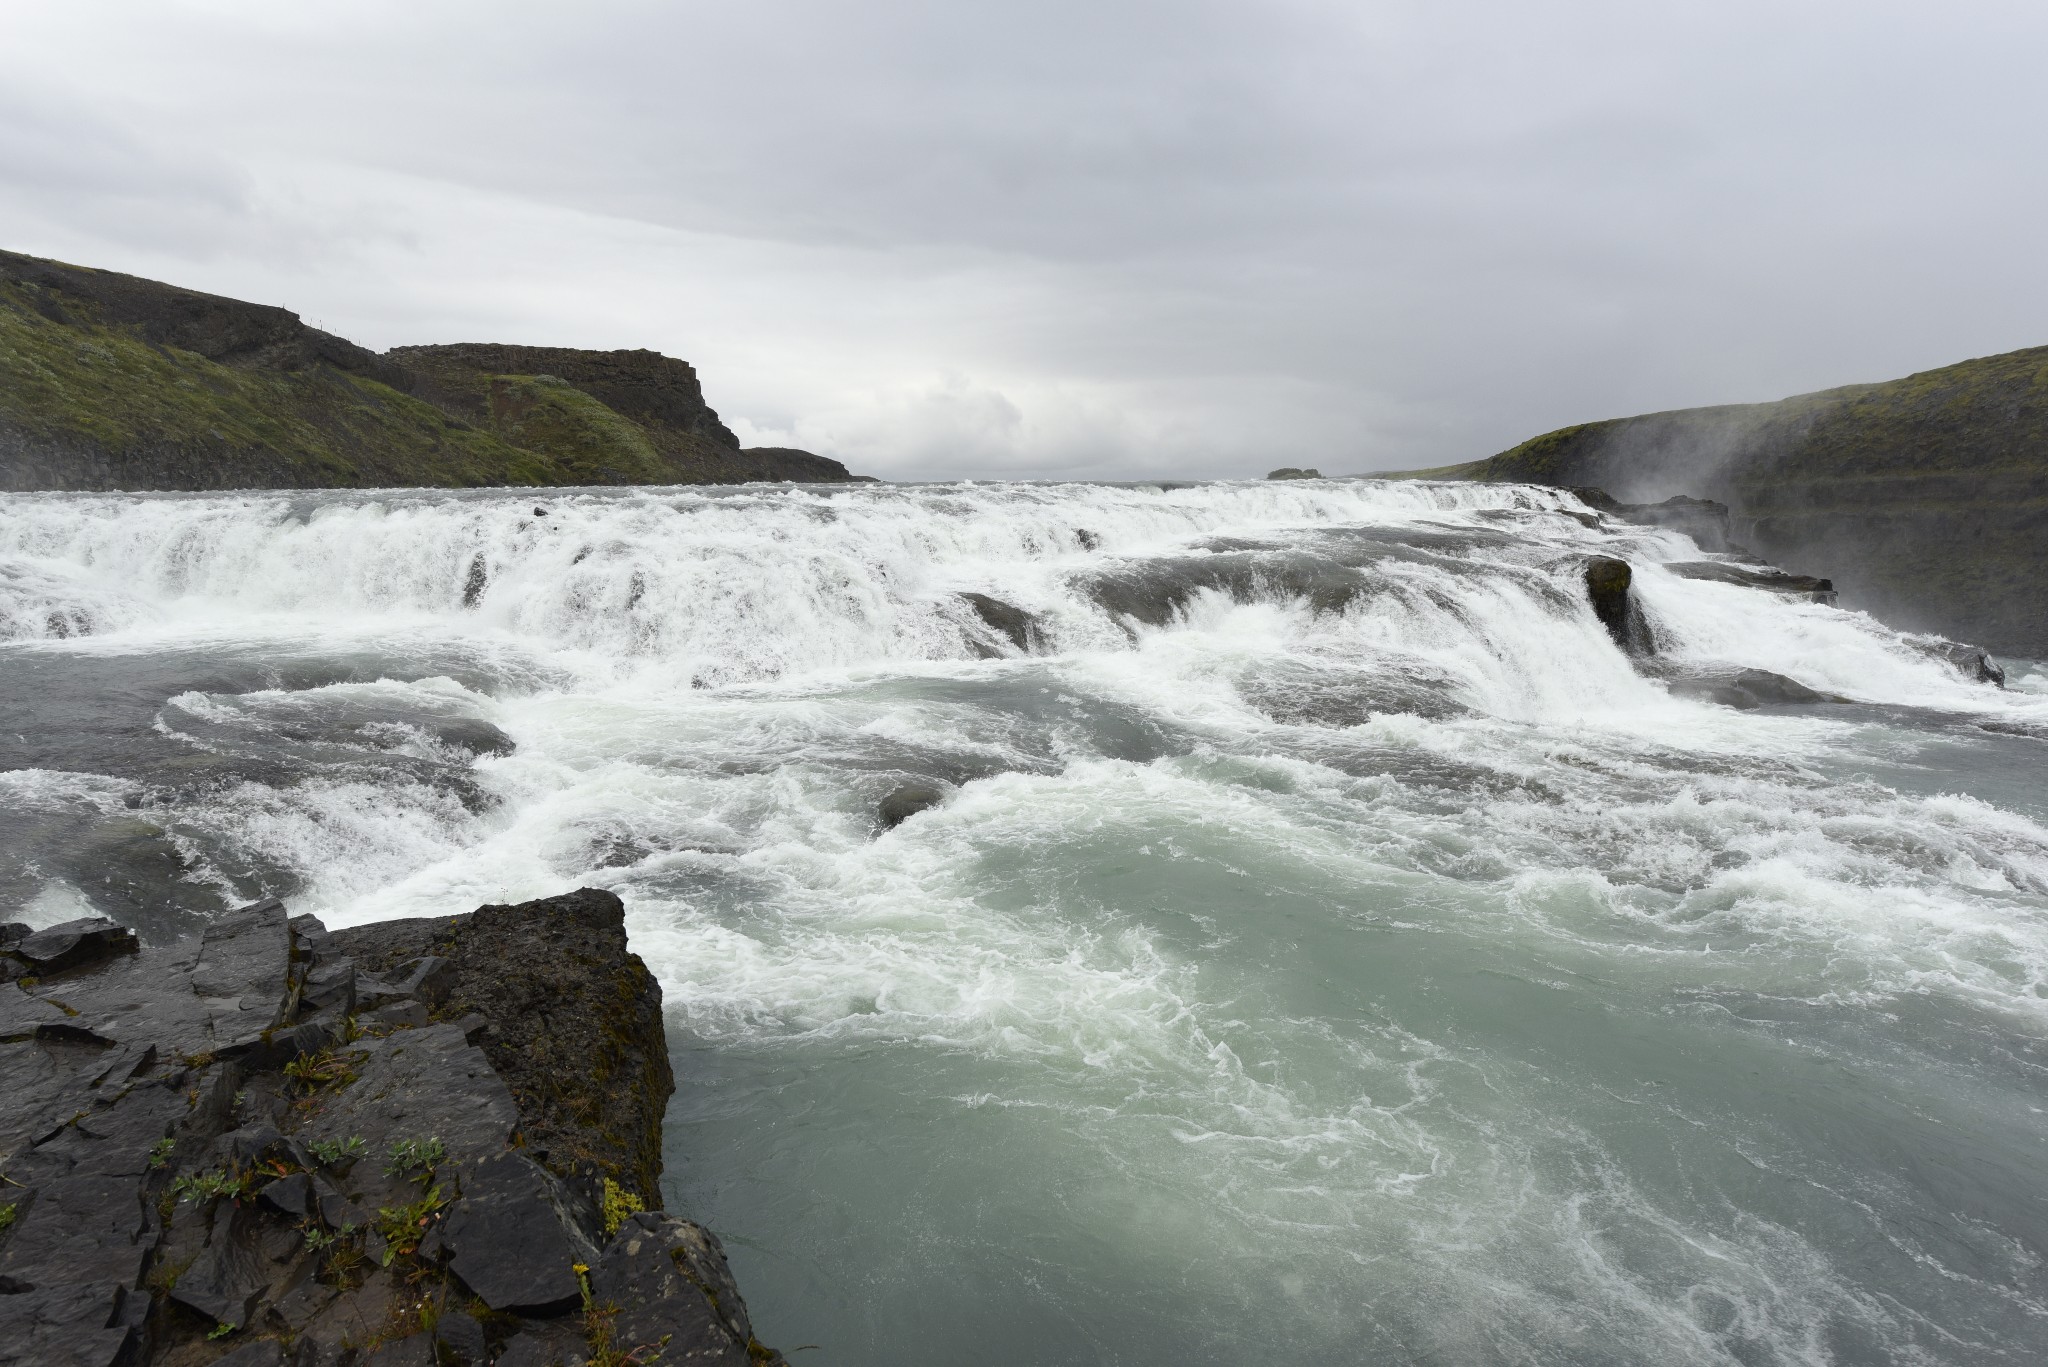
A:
[423, 1142]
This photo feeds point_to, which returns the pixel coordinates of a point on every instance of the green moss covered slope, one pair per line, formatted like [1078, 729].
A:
[1925, 498]
[109, 381]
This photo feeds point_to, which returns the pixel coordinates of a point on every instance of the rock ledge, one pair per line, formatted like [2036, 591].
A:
[412, 1144]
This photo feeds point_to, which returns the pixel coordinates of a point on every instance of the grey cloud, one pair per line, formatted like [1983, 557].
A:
[1160, 237]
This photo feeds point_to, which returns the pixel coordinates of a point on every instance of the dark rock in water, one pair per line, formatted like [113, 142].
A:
[73, 944]
[1295, 693]
[199, 1140]
[475, 582]
[1019, 626]
[1746, 689]
[1757, 577]
[1971, 662]
[1293, 472]
[1155, 591]
[907, 802]
[1607, 584]
[1089, 540]
[1702, 519]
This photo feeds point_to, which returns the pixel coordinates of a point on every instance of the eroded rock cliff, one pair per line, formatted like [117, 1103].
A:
[420, 1143]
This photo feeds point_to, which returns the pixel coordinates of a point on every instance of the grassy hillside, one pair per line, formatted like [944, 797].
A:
[108, 381]
[1925, 498]
[78, 388]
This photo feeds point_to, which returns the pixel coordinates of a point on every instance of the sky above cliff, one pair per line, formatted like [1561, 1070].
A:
[1093, 239]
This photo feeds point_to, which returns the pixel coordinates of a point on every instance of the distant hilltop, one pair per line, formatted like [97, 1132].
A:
[1925, 499]
[109, 381]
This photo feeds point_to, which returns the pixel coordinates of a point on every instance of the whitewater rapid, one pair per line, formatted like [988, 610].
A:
[1330, 945]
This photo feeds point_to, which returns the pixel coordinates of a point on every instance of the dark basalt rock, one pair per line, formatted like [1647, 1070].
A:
[1294, 472]
[1757, 577]
[73, 944]
[1155, 591]
[1019, 627]
[674, 1276]
[1607, 584]
[1702, 519]
[515, 1238]
[574, 1022]
[211, 1137]
[1746, 689]
[906, 802]
[1969, 661]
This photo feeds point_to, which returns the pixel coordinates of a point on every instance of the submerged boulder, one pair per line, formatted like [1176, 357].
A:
[1746, 689]
[1608, 584]
[906, 802]
[1017, 626]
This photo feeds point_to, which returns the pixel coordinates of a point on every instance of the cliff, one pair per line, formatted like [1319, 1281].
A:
[413, 1144]
[1925, 499]
[109, 381]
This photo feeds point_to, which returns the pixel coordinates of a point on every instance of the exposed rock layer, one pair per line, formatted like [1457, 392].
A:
[273, 1145]
[108, 381]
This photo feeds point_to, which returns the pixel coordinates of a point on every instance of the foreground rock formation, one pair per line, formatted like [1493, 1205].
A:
[1926, 496]
[109, 381]
[417, 1143]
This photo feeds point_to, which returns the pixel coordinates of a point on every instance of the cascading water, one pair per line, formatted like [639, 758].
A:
[1330, 946]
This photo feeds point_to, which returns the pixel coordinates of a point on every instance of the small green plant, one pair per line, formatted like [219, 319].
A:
[324, 1071]
[402, 1227]
[334, 1152]
[160, 1153]
[617, 1205]
[420, 1156]
[342, 1258]
[209, 1186]
[220, 1331]
[7, 1213]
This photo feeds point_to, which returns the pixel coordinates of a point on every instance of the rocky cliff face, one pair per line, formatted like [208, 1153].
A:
[421, 1143]
[1926, 498]
[108, 381]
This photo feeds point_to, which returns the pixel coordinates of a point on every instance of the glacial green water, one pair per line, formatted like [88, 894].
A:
[1330, 948]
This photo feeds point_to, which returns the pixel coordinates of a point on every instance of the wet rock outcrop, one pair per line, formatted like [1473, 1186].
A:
[907, 801]
[1608, 583]
[1010, 622]
[1756, 576]
[426, 1142]
[1745, 689]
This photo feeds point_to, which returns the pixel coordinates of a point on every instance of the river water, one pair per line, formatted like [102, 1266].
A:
[1329, 948]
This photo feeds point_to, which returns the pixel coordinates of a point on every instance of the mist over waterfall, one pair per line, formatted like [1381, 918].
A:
[1328, 944]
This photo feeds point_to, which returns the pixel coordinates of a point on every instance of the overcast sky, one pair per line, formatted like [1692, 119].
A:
[1113, 238]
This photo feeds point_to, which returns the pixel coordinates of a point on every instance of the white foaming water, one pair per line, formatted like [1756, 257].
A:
[1330, 946]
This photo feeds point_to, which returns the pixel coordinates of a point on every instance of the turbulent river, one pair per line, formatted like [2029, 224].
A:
[1329, 948]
